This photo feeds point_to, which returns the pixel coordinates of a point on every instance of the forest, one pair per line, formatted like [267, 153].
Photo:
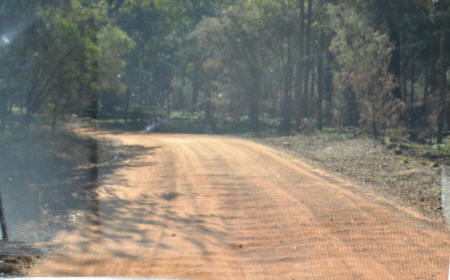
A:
[228, 65]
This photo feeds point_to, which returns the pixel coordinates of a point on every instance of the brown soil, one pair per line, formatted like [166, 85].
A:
[410, 177]
[207, 207]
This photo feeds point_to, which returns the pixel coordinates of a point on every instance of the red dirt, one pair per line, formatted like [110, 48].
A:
[208, 207]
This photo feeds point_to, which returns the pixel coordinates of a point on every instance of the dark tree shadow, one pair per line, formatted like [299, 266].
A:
[50, 188]
[47, 181]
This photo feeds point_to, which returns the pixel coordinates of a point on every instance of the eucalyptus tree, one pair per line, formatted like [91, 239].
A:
[235, 41]
[113, 45]
[363, 56]
[65, 52]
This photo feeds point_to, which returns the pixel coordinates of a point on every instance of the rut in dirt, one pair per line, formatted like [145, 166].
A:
[209, 207]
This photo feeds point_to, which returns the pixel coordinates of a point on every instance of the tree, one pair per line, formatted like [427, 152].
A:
[443, 110]
[363, 55]
[65, 50]
[233, 40]
[113, 44]
[265, 61]
[307, 62]
[300, 63]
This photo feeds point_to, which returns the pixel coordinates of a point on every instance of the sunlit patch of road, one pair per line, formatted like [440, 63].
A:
[208, 207]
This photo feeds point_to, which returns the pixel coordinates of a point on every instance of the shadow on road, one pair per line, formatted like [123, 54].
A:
[47, 180]
[50, 190]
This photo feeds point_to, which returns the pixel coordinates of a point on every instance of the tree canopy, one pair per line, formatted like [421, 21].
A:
[291, 64]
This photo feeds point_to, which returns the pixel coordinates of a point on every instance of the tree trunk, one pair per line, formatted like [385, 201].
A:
[443, 106]
[55, 112]
[312, 88]
[253, 114]
[2, 221]
[286, 104]
[374, 125]
[195, 87]
[253, 110]
[274, 104]
[426, 92]
[351, 108]
[299, 93]
[127, 105]
[181, 104]
[403, 79]
[208, 110]
[320, 81]
[195, 90]
[168, 103]
[3, 111]
[307, 64]
[395, 64]
[287, 87]
[412, 114]
[328, 88]
[140, 84]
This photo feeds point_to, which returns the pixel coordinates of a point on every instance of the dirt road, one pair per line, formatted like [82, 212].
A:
[205, 207]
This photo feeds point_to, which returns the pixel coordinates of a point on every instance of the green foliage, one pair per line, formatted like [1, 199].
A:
[248, 47]
[363, 55]
[373, 64]
[113, 45]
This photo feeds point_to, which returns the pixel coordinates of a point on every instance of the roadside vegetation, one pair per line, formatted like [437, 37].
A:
[45, 178]
[406, 172]
[11, 266]
[380, 66]
[49, 180]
